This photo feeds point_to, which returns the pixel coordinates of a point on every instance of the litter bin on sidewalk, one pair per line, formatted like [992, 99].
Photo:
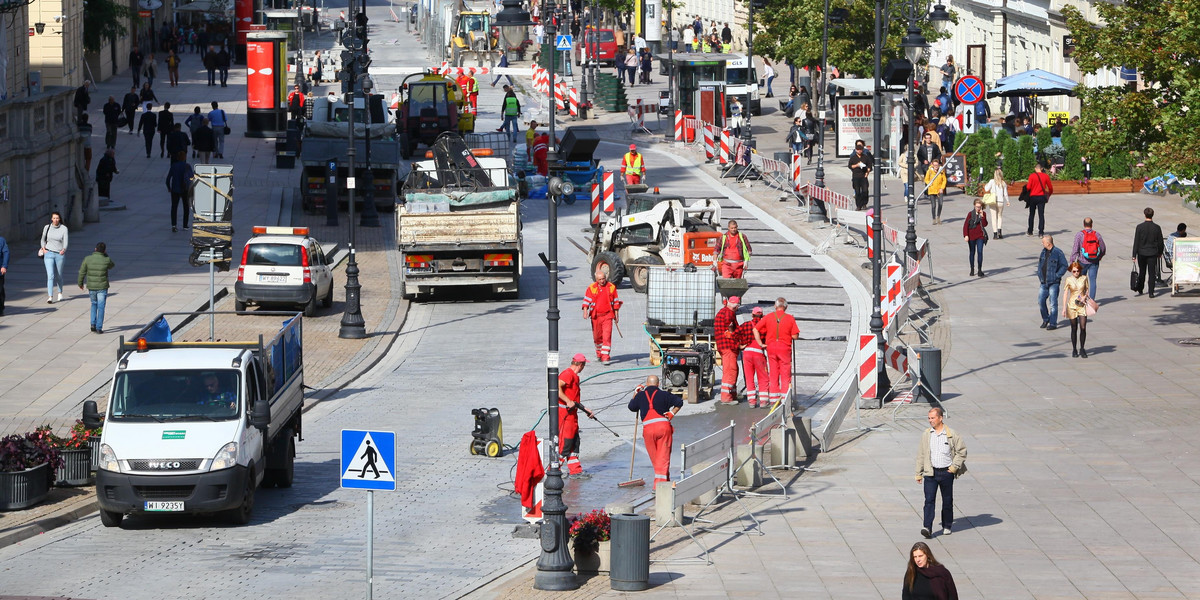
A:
[929, 360]
[630, 560]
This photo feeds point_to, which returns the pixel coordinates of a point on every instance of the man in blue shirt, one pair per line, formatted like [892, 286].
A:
[1052, 265]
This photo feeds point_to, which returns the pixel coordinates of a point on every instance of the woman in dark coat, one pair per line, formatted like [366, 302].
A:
[926, 578]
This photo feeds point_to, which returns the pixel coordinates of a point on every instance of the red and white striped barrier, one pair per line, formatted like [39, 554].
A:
[896, 358]
[608, 187]
[679, 125]
[709, 145]
[867, 364]
[691, 125]
[573, 97]
[637, 114]
[560, 94]
[831, 198]
[595, 204]
[446, 69]
[796, 169]
[723, 155]
[889, 296]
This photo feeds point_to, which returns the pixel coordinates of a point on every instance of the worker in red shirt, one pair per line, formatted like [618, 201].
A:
[657, 408]
[775, 332]
[602, 305]
[733, 252]
[725, 328]
[754, 361]
[568, 418]
[633, 166]
[541, 148]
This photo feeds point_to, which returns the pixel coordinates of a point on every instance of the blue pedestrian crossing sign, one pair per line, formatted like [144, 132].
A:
[563, 42]
[369, 460]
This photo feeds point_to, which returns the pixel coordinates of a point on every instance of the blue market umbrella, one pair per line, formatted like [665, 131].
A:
[1033, 83]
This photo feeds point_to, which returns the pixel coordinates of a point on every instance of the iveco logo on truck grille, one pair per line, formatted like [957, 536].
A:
[163, 464]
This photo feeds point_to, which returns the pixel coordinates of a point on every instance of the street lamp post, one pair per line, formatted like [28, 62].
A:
[883, 385]
[352, 325]
[747, 110]
[913, 44]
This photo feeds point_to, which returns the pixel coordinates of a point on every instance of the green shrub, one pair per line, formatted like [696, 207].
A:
[1072, 165]
[1043, 138]
[1007, 147]
[1023, 157]
[982, 155]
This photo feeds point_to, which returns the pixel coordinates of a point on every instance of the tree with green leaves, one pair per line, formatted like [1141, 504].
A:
[104, 20]
[792, 29]
[1122, 125]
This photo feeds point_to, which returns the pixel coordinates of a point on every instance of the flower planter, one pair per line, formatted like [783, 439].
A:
[1091, 186]
[587, 561]
[76, 469]
[23, 489]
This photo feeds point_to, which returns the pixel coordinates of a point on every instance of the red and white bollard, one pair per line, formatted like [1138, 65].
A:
[723, 155]
[710, 151]
[608, 185]
[679, 125]
[573, 96]
[796, 168]
[595, 205]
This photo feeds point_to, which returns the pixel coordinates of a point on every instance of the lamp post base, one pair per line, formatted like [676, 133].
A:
[353, 327]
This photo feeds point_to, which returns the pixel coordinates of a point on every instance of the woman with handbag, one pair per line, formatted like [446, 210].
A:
[53, 251]
[995, 198]
[1076, 305]
[975, 235]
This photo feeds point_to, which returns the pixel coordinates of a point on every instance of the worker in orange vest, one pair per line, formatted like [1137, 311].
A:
[602, 305]
[754, 361]
[632, 166]
[733, 252]
[657, 407]
[725, 328]
[775, 332]
[464, 85]
[472, 91]
[569, 403]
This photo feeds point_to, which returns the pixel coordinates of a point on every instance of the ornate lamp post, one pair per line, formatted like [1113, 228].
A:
[914, 44]
[835, 17]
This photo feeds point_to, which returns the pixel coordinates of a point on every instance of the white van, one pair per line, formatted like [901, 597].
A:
[741, 79]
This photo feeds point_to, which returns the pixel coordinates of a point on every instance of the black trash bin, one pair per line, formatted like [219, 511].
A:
[630, 560]
[930, 361]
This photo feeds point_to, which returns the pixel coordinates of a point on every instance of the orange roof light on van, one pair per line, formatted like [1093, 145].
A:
[264, 230]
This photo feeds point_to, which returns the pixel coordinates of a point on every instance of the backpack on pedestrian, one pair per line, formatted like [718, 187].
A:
[1090, 248]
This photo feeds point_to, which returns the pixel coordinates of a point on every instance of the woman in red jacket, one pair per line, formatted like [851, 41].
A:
[975, 234]
[1040, 188]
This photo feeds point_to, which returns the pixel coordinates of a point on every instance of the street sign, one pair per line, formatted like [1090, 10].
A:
[368, 460]
[966, 118]
[969, 89]
[563, 42]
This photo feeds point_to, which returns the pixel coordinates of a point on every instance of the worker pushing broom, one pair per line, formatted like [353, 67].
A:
[656, 407]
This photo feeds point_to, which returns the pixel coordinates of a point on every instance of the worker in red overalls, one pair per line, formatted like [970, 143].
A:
[657, 408]
[633, 167]
[601, 305]
[725, 328]
[568, 418]
[464, 85]
[754, 361]
[733, 252]
[541, 149]
[775, 332]
[472, 91]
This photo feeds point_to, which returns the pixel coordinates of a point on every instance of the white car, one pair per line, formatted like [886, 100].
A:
[284, 266]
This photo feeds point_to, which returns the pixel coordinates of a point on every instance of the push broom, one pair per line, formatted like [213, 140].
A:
[639, 482]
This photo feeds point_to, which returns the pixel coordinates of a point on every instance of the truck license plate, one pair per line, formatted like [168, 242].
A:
[273, 278]
[164, 507]
[420, 269]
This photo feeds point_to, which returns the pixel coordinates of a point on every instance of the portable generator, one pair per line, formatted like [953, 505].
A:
[488, 437]
[688, 368]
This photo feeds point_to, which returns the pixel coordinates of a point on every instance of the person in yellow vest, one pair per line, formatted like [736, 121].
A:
[473, 91]
[632, 166]
[733, 252]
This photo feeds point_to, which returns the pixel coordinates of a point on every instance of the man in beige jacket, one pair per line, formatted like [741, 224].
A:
[941, 458]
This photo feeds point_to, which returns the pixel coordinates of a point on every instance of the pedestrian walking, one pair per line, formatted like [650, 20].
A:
[3, 270]
[112, 113]
[797, 137]
[1147, 247]
[927, 152]
[166, 124]
[633, 167]
[85, 133]
[657, 407]
[178, 142]
[631, 65]
[1051, 267]
[93, 276]
[203, 141]
[1076, 296]
[53, 251]
[949, 70]
[941, 457]
[318, 75]
[754, 360]
[104, 173]
[148, 125]
[602, 305]
[503, 64]
[150, 70]
[136, 60]
[220, 126]
[1088, 249]
[735, 116]
[210, 65]
[811, 128]
[510, 108]
[146, 94]
[769, 74]
[647, 61]
[975, 234]
[223, 65]
[935, 188]
[733, 252]
[173, 61]
[725, 327]
[179, 183]
[194, 121]
[295, 102]
[569, 403]
[860, 165]
[1040, 189]
[995, 198]
[776, 332]
[926, 578]
[129, 105]
[83, 97]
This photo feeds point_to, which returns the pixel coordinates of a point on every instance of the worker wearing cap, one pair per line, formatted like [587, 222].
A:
[602, 305]
[733, 252]
[657, 407]
[775, 332]
[632, 166]
[754, 360]
[725, 327]
[569, 393]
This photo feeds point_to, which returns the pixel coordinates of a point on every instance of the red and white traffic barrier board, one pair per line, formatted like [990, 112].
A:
[723, 155]
[560, 94]
[709, 144]
[896, 358]
[889, 296]
[595, 204]
[867, 357]
[679, 125]
[796, 168]
[608, 187]
[573, 97]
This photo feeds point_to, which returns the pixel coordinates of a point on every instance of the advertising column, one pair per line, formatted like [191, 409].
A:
[652, 28]
[243, 17]
[853, 124]
[266, 83]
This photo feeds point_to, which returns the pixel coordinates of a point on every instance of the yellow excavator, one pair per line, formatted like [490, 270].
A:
[472, 35]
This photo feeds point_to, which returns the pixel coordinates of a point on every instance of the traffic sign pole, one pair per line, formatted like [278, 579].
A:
[370, 541]
[969, 89]
[373, 451]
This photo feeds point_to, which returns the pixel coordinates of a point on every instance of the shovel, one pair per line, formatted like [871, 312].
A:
[639, 482]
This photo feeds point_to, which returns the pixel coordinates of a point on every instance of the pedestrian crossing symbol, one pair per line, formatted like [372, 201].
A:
[368, 460]
[563, 42]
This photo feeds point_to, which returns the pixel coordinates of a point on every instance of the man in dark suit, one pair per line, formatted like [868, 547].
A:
[1147, 247]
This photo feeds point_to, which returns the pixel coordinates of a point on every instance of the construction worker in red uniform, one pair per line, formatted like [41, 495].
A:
[472, 90]
[775, 332]
[733, 252]
[725, 328]
[568, 418]
[464, 85]
[602, 305]
[541, 148]
[754, 361]
[657, 408]
[632, 166]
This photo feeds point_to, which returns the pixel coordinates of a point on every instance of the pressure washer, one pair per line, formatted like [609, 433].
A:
[488, 437]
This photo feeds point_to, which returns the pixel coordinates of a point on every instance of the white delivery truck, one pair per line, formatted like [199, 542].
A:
[195, 427]
[741, 80]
